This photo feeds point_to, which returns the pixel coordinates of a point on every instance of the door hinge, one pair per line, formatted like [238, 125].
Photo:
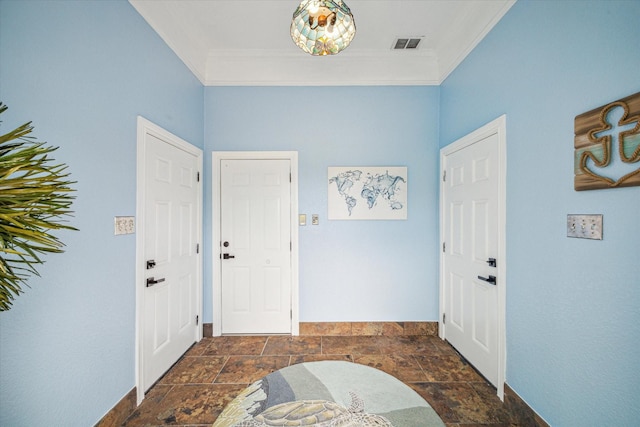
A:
[198, 176]
[290, 246]
[444, 246]
[197, 248]
[444, 318]
[289, 176]
[197, 320]
[444, 176]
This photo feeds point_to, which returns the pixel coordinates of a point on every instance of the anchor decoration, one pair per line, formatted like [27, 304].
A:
[607, 146]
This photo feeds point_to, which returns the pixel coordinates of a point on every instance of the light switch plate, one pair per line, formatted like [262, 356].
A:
[584, 226]
[124, 225]
[302, 219]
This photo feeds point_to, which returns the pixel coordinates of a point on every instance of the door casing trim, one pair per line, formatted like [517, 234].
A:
[496, 127]
[216, 274]
[145, 127]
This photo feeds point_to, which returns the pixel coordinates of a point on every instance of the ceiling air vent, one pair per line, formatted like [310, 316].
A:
[407, 43]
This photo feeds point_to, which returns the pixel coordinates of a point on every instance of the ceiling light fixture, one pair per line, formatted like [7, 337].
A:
[322, 27]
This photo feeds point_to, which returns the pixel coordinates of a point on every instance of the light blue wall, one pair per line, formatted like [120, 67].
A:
[83, 71]
[349, 270]
[573, 306]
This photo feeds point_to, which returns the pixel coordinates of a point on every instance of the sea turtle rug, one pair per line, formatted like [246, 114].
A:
[328, 393]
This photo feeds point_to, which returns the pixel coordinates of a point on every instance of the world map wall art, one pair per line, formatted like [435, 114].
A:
[368, 193]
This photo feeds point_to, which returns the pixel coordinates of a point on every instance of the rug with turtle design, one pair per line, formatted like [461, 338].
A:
[328, 393]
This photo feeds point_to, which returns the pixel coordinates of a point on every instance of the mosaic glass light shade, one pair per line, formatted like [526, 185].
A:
[322, 27]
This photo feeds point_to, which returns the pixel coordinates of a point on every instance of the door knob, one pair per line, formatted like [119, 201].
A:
[227, 256]
[490, 279]
[151, 281]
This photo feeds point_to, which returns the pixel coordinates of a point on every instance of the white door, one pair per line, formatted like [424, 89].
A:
[255, 239]
[170, 261]
[472, 253]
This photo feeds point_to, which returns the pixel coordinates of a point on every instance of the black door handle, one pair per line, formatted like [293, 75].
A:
[151, 281]
[227, 256]
[490, 279]
[492, 262]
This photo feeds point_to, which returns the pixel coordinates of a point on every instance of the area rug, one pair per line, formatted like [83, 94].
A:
[328, 393]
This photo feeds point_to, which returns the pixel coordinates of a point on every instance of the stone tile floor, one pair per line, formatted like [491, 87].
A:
[215, 370]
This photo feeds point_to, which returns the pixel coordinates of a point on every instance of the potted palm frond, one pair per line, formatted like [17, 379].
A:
[35, 196]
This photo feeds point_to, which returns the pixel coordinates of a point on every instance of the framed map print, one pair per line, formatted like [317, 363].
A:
[369, 193]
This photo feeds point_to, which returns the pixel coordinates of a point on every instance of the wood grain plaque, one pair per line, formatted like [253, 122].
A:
[607, 146]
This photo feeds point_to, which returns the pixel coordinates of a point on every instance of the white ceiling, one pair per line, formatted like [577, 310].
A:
[247, 42]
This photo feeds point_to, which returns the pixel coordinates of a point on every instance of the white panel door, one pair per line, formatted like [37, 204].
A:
[170, 252]
[470, 215]
[255, 246]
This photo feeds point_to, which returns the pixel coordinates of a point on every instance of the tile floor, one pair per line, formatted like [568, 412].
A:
[215, 370]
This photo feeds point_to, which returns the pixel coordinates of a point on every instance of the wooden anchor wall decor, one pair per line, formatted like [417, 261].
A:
[607, 146]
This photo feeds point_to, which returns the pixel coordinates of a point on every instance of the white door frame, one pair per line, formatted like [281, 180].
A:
[217, 157]
[499, 128]
[145, 127]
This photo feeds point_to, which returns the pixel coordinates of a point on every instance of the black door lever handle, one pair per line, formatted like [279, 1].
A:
[227, 256]
[490, 279]
[151, 281]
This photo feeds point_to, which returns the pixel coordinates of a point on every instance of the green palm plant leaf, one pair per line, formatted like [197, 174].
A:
[35, 197]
